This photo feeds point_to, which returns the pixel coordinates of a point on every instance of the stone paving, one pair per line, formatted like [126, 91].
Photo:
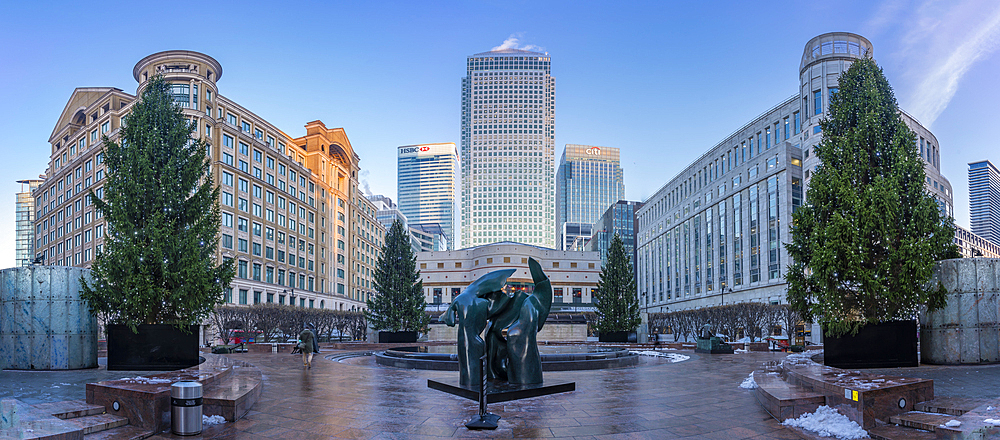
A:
[698, 398]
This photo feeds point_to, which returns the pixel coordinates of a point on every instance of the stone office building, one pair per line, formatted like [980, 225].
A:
[715, 233]
[573, 274]
[293, 220]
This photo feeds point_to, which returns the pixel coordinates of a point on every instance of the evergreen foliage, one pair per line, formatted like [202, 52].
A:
[158, 264]
[399, 304]
[864, 246]
[615, 298]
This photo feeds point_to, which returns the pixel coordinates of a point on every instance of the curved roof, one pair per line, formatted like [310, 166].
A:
[508, 52]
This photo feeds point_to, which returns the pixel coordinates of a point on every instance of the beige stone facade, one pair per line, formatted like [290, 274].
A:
[292, 219]
[573, 274]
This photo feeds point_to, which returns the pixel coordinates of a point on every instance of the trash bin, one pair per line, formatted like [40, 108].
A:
[185, 408]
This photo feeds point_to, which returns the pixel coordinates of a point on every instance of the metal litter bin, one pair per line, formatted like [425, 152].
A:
[185, 408]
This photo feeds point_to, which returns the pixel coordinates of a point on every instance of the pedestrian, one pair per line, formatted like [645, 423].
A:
[308, 345]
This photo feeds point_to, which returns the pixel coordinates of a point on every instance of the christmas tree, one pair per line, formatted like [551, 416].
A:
[158, 264]
[864, 246]
[615, 299]
[399, 305]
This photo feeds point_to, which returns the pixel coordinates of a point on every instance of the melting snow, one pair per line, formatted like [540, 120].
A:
[147, 380]
[672, 357]
[994, 422]
[953, 423]
[214, 420]
[827, 422]
[749, 383]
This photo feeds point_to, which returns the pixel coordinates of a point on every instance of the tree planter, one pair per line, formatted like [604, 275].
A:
[156, 347]
[622, 336]
[397, 337]
[883, 345]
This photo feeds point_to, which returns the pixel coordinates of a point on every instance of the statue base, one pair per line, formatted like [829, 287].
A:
[501, 391]
[713, 345]
[485, 421]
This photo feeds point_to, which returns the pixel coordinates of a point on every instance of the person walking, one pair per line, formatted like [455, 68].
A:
[309, 345]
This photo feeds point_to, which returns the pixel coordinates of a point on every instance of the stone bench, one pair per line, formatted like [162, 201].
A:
[230, 388]
[783, 400]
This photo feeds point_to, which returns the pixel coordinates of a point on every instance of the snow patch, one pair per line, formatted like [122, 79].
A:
[672, 357]
[147, 380]
[994, 422]
[749, 383]
[953, 423]
[214, 420]
[740, 351]
[827, 422]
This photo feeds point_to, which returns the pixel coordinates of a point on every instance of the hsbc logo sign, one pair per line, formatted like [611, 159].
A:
[414, 150]
[595, 151]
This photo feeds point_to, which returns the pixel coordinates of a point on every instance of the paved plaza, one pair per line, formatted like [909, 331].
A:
[697, 398]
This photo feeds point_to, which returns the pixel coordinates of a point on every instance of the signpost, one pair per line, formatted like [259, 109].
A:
[484, 420]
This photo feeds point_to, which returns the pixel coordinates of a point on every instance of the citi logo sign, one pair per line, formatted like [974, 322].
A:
[594, 151]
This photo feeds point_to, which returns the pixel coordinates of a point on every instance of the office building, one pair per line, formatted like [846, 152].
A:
[984, 200]
[589, 180]
[293, 219]
[618, 219]
[573, 275]
[24, 223]
[429, 237]
[508, 149]
[717, 230]
[426, 184]
[387, 212]
[971, 245]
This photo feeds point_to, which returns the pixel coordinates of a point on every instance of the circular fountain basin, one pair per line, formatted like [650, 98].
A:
[554, 358]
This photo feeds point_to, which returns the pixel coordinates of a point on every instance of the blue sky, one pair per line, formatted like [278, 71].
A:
[663, 81]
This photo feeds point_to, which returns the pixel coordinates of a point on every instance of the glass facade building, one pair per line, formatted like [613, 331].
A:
[508, 149]
[715, 233]
[24, 223]
[589, 180]
[618, 219]
[426, 184]
[984, 200]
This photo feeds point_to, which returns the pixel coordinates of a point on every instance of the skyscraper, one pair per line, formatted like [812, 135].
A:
[426, 184]
[618, 219]
[508, 149]
[984, 200]
[24, 223]
[589, 181]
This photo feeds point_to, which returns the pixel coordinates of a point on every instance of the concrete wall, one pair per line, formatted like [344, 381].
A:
[44, 325]
[967, 329]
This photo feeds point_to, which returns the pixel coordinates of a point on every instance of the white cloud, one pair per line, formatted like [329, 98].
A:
[513, 42]
[941, 43]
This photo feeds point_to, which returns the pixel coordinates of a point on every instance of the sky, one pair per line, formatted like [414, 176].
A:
[663, 81]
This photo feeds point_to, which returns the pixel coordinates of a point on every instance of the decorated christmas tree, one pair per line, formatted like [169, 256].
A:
[399, 304]
[615, 299]
[864, 245]
[158, 264]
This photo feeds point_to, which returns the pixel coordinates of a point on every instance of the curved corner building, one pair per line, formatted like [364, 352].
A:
[293, 220]
[715, 233]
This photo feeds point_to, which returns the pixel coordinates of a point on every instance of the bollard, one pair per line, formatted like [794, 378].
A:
[185, 408]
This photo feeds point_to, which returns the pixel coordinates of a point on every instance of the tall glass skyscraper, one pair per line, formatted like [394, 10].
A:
[589, 180]
[24, 223]
[984, 200]
[426, 184]
[508, 149]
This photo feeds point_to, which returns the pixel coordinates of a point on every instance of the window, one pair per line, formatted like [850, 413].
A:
[818, 102]
[227, 140]
[797, 124]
